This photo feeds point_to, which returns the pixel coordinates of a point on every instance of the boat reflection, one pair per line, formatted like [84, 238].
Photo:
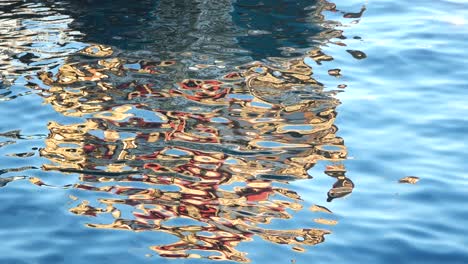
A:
[217, 151]
[223, 143]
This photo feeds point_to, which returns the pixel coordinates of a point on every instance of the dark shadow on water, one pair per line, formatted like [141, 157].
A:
[263, 28]
[156, 24]
[274, 25]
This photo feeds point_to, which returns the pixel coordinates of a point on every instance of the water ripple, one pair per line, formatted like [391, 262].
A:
[216, 131]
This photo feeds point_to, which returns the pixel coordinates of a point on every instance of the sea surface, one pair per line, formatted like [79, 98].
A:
[233, 131]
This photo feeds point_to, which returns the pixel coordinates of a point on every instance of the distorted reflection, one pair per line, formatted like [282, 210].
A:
[168, 143]
[224, 144]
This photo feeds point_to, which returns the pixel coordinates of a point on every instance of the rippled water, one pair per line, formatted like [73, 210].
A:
[248, 131]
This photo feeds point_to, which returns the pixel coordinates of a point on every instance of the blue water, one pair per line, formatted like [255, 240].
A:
[82, 167]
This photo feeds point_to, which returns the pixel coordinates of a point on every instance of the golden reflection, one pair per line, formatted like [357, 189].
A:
[226, 162]
[219, 152]
[319, 208]
[409, 179]
[325, 221]
[97, 51]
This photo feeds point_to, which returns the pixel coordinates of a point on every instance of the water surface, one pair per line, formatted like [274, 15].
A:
[245, 131]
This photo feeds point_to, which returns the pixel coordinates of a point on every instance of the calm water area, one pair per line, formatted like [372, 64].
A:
[233, 131]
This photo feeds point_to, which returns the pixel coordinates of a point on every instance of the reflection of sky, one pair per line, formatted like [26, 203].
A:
[39, 38]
